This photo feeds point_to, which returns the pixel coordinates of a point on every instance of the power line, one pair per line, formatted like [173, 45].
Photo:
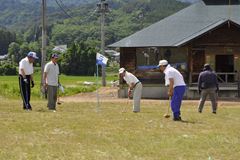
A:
[61, 6]
[64, 6]
[62, 9]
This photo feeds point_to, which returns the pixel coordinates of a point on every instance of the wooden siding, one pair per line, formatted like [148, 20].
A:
[128, 59]
[226, 35]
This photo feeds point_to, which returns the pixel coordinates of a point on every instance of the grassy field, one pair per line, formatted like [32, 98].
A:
[72, 84]
[77, 132]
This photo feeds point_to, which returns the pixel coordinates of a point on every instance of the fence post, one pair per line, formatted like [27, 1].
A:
[238, 83]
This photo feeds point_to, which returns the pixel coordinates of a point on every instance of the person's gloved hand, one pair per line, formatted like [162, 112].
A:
[32, 84]
[25, 80]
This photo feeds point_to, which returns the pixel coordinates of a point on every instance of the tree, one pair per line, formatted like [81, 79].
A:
[6, 37]
[80, 59]
[14, 52]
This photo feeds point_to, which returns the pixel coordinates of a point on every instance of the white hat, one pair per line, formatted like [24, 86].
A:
[32, 55]
[121, 70]
[54, 55]
[163, 63]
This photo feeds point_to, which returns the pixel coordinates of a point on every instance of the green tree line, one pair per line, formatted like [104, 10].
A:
[81, 31]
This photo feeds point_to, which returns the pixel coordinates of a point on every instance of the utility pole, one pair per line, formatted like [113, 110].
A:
[102, 8]
[44, 41]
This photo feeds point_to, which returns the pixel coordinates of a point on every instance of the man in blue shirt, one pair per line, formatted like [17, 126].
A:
[208, 85]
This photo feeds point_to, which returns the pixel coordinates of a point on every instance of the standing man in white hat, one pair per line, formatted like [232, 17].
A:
[51, 81]
[135, 88]
[26, 78]
[177, 86]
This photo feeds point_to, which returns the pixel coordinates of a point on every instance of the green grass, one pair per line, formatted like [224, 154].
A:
[72, 84]
[77, 132]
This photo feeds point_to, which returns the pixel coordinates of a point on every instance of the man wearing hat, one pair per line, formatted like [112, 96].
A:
[26, 78]
[177, 86]
[51, 82]
[135, 88]
[207, 85]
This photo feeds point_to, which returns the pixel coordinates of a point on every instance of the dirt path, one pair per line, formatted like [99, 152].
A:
[105, 94]
[110, 94]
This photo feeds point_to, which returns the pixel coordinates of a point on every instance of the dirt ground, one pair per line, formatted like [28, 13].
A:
[104, 93]
[110, 94]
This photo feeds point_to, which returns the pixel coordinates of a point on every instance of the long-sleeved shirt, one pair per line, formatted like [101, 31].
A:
[207, 79]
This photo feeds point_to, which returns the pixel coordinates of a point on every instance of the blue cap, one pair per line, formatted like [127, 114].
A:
[32, 55]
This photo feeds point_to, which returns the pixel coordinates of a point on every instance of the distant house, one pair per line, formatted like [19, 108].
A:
[3, 57]
[113, 54]
[205, 32]
[60, 48]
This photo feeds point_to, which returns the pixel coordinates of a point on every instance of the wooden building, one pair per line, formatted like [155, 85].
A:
[205, 32]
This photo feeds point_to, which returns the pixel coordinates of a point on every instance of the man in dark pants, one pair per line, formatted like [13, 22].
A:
[208, 85]
[26, 78]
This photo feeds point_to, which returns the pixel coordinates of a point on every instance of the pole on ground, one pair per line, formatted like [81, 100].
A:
[44, 42]
[102, 8]
[97, 94]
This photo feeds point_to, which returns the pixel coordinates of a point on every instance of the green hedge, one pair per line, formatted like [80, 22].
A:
[7, 68]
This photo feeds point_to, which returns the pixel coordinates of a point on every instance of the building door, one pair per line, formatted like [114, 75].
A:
[198, 60]
[225, 64]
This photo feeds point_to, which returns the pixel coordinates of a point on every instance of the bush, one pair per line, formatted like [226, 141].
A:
[7, 69]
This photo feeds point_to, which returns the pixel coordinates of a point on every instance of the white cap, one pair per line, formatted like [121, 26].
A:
[32, 55]
[121, 70]
[163, 63]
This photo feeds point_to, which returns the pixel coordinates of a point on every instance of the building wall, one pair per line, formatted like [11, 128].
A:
[224, 40]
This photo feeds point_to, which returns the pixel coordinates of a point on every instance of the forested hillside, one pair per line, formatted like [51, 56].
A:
[81, 23]
[125, 18]
[75, 23]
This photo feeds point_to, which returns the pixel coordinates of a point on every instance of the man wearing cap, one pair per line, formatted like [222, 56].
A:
[177, 86]
[26, 78]
[207, 85]
[135, 88]
[51, 82]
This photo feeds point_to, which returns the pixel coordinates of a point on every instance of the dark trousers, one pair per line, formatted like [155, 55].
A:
[213, 97]
[176, 101]
[25, 91]
[52, 97]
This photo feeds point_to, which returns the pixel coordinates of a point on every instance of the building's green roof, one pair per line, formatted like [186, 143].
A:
[182, 26]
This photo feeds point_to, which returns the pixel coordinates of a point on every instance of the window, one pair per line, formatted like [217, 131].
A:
[147, 60]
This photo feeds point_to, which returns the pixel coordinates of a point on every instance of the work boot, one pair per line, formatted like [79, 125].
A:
[177, 118]
[136, 111]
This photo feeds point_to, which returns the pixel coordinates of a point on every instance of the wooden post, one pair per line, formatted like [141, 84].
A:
[238, 83]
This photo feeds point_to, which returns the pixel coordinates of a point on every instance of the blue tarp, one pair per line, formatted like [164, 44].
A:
[147, 67]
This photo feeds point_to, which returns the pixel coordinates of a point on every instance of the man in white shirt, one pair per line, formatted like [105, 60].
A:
[26, 78]
[51, 82]
[135, 88]
[177, 86]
